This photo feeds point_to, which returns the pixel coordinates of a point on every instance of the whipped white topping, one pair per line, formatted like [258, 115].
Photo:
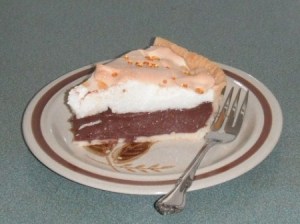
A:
[142, 81]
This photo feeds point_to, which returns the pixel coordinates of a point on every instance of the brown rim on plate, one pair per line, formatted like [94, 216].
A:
[38, 135]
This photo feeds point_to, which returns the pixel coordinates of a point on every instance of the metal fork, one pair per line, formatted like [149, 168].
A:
[225, 127]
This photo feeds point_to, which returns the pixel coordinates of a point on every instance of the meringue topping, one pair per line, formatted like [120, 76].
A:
[155, 65]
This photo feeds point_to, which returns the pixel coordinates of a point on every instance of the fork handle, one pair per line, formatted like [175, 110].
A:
[174, 201]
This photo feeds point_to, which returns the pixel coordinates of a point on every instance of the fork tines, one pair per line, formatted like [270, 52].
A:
[233, 112]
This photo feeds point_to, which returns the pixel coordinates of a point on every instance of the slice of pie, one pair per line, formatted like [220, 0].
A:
[162, 92]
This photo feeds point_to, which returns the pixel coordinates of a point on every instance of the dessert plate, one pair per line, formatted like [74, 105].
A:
[153, 169]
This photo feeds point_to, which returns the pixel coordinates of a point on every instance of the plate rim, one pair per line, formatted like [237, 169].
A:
[70, 171]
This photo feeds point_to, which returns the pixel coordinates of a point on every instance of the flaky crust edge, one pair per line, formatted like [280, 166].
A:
[194, 61]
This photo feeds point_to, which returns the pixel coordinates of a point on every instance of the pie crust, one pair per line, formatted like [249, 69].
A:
[195, 61]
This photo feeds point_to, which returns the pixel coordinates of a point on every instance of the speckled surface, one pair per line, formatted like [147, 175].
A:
[41, 40]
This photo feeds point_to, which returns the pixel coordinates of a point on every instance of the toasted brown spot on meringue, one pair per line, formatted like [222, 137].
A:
[102, 85]
[199, 90]
[152, 58]
[184, 85]
[139, 64]
[86, 84]
[114, 74]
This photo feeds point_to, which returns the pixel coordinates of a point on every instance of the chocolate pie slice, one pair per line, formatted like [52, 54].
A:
[162, 92]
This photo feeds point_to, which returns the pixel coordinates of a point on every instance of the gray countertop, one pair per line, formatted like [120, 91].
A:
[42, 40]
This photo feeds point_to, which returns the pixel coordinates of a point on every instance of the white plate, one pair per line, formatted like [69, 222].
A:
[47, 132]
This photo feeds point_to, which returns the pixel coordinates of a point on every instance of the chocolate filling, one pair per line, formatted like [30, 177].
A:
[110, 126]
